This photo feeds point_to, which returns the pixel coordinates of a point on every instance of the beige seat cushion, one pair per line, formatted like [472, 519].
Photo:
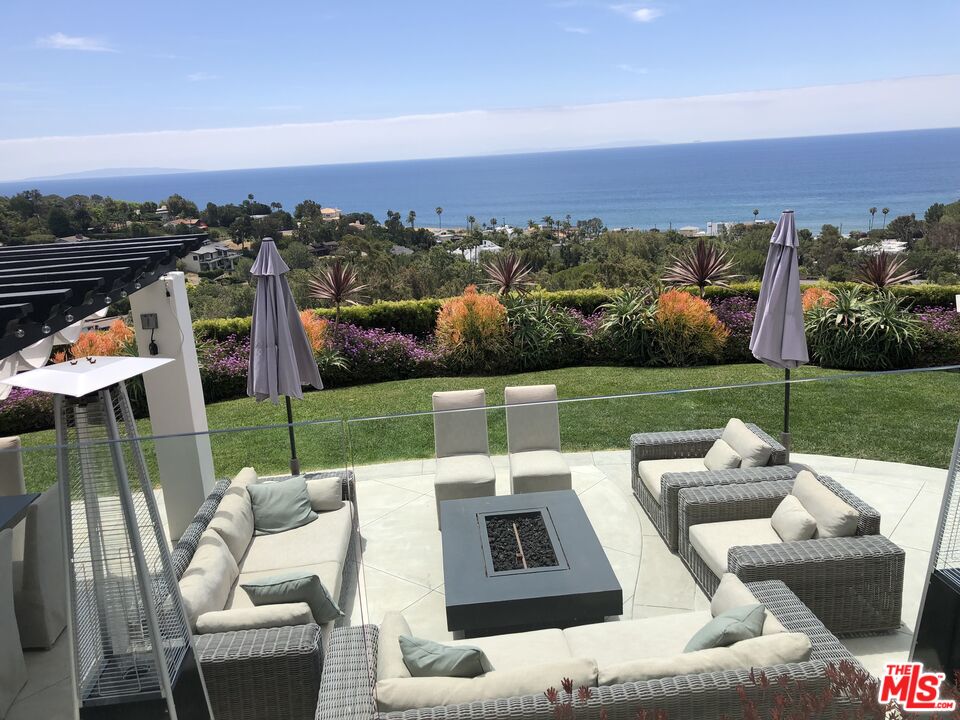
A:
[395, 694]
[763, 651]
[330, 574]
[834, 517]
[326, 538]
[721, 457]
[243, 478]
[753, 451]
[732, 593]
[651, 471]
[252, 618]
[539, 471]
[516, 650]
[713, 540]
[233, 521]
[616, 642]
[206, 583]
[792, 521]
[389, 656]
[465, 470]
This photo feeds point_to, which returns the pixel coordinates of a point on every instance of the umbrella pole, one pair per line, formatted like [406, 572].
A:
[294, 460]
[785, 435]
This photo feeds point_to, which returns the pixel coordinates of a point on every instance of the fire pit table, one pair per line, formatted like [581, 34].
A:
[523, 562]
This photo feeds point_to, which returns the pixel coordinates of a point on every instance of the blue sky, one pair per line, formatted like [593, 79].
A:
[106, 67]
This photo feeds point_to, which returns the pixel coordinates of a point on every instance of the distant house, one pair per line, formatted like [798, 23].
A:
[211, 257]
[163, 214]
[79, 237]
[192, 223]
[473, 254]
[329, 214]
[715, 228]
[891, 247]
[690, 231]
[400, 250]
[445, 235]
[323, 249]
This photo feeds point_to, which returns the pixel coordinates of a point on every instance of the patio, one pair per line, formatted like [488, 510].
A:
[403, 570]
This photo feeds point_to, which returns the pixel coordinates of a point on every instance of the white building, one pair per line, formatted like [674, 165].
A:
[473, 254]
[690, 231]
[210, 257]
[716, 227]
[891, 247]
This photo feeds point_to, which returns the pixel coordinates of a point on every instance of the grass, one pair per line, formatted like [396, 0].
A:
[907, 418]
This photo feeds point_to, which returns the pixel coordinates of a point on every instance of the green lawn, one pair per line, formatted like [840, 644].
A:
[906, 418]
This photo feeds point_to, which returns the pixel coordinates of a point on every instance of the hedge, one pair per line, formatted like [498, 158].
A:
[418, 317]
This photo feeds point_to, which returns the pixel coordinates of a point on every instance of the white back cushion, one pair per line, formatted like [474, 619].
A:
[834, 517]
[460, 433]
[753, 451]
[233, 521]
[732, 593]
[209, 577]
[534, 427]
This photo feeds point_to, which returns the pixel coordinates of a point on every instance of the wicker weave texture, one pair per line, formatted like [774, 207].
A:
[347, 688]
[854, 584]
[692, 444]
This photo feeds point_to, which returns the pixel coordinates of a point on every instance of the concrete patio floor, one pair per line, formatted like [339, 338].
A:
[403, 568]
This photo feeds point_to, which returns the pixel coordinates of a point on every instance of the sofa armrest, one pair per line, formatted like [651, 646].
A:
[853, 584]
[721, 503]
[678, 444]
[349, 675]
[262, 674]
[778, 453]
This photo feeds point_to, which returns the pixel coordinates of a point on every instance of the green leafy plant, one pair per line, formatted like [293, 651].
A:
[338, 284]
[882, 270]
[628, 324]
[703, 265]
[862, 331]
[507, 273]
[543, 335]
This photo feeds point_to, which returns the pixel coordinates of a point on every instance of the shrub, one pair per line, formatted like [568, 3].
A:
[412, 317]
[737, 315]
[472, 332]
[627, 327]
[374, 355]
[221, 328]
[939, 342]
[815, 296]
[862, 331]
[118, 339]
[316, 329]
[544, 335]
[223, 367]
[686, 331]
[25, 411]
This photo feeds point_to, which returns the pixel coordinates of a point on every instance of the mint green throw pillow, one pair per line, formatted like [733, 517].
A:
[425, 658]
[291, 587]
[279, 506]
[739, 623]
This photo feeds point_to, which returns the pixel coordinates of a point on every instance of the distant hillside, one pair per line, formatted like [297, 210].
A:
[112, 172]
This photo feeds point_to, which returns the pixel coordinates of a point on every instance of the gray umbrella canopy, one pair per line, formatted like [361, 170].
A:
[778, 338]
[281, 359]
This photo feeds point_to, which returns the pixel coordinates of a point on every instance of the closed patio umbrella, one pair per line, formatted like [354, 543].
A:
[778, 337]
[281, 359]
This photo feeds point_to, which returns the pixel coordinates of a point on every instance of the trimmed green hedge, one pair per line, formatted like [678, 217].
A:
[418, 317]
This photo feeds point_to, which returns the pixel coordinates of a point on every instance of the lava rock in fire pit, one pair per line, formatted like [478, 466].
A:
[535, 546]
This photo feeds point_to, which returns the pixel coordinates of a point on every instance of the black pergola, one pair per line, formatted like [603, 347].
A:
[44, 288]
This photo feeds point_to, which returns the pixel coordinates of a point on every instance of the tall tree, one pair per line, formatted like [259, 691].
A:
[412, 218]
[756, 212]
[471, 221]
[439, 212]
[885, 211]
[873, 211]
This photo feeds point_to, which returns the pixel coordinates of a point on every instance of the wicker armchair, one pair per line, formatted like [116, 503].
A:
[347, 690]
[692, 444]
[258, 674]
[853, 584]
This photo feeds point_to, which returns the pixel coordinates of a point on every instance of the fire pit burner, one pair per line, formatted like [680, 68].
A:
[519, 541]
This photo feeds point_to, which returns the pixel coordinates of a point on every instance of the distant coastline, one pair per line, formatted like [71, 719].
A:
[109, 173]
[825, 179]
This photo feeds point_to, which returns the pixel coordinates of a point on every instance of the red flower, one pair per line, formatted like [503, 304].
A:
[584, 693]
[567, 685]
[552, 695]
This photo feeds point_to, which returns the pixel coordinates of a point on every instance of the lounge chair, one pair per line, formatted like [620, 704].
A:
[533, 440]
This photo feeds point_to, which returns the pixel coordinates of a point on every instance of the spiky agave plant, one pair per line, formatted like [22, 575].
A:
[339, 284]
[508, 273]
[702, 266]
[882, 270]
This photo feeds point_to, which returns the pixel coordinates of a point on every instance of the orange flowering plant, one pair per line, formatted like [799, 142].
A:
[316, 329]
[814, 297]
[472, 329]
[687, 331]
[118, 339]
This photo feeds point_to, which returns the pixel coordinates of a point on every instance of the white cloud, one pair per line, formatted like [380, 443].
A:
[627, 67]
[576, 30]
[638, 14]
[733, 116]
[201, 77]
[59, 41]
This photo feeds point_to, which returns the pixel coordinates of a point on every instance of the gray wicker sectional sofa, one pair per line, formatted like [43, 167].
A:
[349, 684]
[268, 672]
[662, 463]
[853, 584]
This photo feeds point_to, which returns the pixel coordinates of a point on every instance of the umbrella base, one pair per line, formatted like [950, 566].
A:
[786, 440]
[295, 466]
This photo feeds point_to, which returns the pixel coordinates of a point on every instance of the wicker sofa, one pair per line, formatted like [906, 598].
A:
[348, 687]
[271, 672]
[853, 584]
[675, 459]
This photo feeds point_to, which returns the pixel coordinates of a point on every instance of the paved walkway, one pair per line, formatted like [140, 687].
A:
[403, 570]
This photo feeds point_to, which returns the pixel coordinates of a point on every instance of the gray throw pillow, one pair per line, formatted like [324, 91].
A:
[739, 623]
[291, 587]
[425, 658]
[279, 506]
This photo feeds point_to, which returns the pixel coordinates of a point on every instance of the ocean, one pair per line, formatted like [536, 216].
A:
[827, 179]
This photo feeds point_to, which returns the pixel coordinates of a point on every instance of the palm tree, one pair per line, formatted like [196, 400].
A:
[508, 273]
[471, 221]
[885, 211]
[755, 213]
[439, 212]
[339, 283]
[704, 265]
[412, 218]
[493, 223]
[873, 211]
